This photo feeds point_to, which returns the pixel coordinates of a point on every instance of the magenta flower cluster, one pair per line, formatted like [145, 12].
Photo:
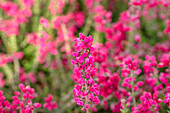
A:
[21, 101]
[123, 67]
[49, 103]
[86, 92]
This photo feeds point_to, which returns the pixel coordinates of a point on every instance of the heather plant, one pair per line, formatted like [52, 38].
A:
[86, 92]
[75, 56]
[21, 101]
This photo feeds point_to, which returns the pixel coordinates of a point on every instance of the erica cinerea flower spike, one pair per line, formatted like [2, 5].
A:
[86, 91]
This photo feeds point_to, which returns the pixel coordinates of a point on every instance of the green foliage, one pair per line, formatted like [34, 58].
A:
[168, 110]
[125, 110]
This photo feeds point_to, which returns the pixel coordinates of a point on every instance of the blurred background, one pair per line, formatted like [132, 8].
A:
[36, 44]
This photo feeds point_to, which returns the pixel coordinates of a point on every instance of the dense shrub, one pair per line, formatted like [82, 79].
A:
[71, 56]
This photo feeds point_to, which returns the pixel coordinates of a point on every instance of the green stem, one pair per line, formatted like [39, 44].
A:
[13, 44]
[63, 76]
[66, 38]
[87, 25]
[86, 101]
[35, 62]
[16, 67]
[9, 74]
[132, 94]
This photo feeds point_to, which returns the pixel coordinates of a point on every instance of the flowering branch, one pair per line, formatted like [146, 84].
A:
[84, 72]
